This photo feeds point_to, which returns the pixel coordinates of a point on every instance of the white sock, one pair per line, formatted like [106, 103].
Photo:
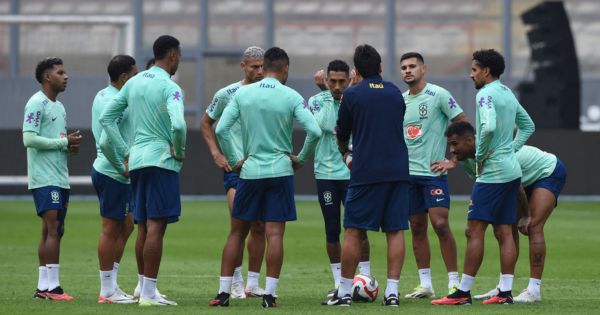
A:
[466, 283]
[499, 280]
[364, 268]
[391, 287]
[115, 272]
[107, 283]
[336, 270]
[140, 281]
[345, 287]
[271, 285]
[42, 278]
[237, 275]
[53, 276]
[225, 284]
[535, 286]
[506, 282]
[252, 280]
[425, 277]
[149, 288]
[453, 279]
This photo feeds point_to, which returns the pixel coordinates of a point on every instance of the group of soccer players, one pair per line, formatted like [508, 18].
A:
[397, 180]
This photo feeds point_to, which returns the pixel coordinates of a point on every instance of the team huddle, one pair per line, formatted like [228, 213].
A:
[377, 151]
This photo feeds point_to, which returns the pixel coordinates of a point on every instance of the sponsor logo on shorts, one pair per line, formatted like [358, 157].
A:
[328, 197]
[437, 192]
[55, 196]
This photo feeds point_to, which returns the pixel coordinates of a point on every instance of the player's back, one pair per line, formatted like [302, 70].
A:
[535, 164]
[496, 115]
[147, 95]
[376, 109]
[266, 114]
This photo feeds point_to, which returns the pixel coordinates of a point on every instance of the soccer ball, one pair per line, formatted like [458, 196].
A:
[364, 288]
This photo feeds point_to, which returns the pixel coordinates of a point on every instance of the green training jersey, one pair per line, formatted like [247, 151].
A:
[535, 164]
[497, 113]
[215, 110]
[328, 159]
[46, 119]
[425, 121]
[102, 163]
[156, 111]
[266, 110]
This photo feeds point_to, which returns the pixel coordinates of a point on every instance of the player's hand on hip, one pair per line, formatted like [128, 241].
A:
[238, 166]
[178, 159]
[523, 225]
[295, 162]
[126, 164]
[221, 162]
[442, 166]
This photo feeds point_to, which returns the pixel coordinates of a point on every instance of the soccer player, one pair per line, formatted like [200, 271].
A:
[494, 196]
[372, 111]
[156, 110]
[48, 146]
[544, 176]
[331, 172]
[112, 187]
[265, 191]
[429, 108]
[252, 65]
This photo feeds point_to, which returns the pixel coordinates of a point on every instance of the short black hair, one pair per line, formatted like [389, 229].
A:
[460, 128]
[367, 60]
[163, 44]
[338, 65]
[45, 65]
[489, 58]
[150, 63]
[118, 65]
[275, 59]
[409, 55]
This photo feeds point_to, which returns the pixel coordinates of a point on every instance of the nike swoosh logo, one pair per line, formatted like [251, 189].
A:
[469, 211]
[53, 119]
[438, 200]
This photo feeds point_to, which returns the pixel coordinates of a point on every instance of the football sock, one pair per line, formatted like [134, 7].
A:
[237, 275]
[425, 277]
[535, 286]
[271, 286]
[336, 270]
[149, 288]
[115, 272]
[53, 276]
[365, 268]
[106, 283]
[225, 284]
[506, 282]
[466, 283]
[453, 279]
[391, 287]
[42, 278]
[345, 287]
[140, 281]
[252, 280]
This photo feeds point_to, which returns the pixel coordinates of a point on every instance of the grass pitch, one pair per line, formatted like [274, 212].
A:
[191, 264]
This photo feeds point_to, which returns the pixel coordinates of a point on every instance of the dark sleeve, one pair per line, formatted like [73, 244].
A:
[344, 122]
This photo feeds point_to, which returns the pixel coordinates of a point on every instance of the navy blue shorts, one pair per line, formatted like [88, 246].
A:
[114, 197]
[494, 203]
[155, 194]
[332, 194]
[265, 199]
[51, 198]
[230, 180]
[377, 206]
[554, 183]
[428, 192]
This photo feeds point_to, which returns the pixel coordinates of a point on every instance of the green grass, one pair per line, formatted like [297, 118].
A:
[191, 263]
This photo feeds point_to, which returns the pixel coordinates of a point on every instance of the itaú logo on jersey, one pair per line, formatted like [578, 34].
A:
[413, 131]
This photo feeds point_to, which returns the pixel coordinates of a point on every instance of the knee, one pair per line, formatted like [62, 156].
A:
[257, 228]
[418, 228]
[441, 228]
[536, 228]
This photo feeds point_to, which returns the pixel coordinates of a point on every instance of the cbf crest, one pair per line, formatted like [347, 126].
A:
[328, 197]
[423, 110]
[55, 196]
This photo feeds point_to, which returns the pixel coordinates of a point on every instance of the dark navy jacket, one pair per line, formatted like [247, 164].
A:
[373, 112]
